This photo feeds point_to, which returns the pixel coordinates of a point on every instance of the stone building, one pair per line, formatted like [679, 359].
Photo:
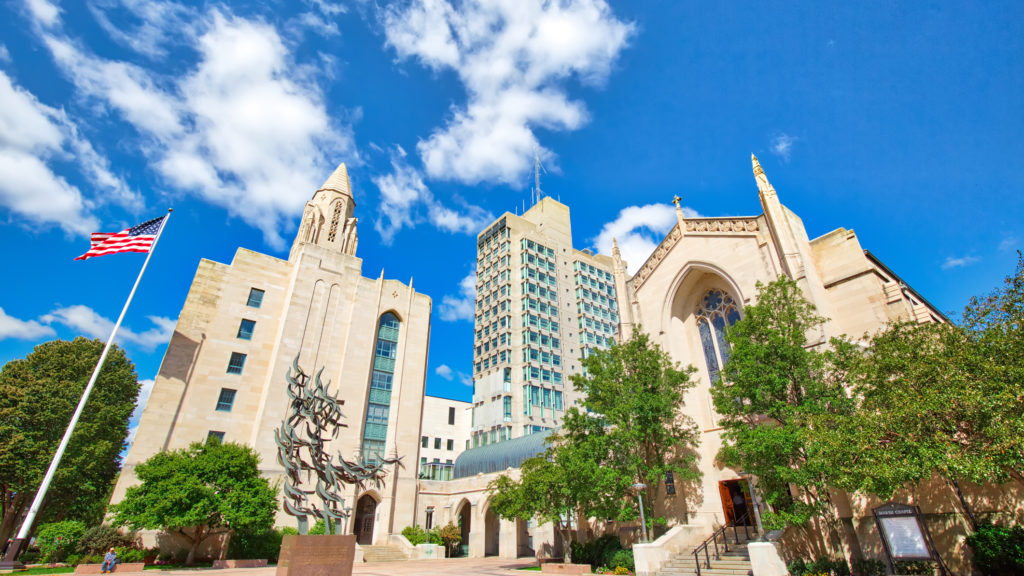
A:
[244, 323]
[444, 434]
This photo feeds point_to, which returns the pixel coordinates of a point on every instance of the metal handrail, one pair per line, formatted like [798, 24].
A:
[713, 539]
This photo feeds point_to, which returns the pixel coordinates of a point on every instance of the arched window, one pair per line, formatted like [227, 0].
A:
[375, 428]
[335, 219]
[714, 311]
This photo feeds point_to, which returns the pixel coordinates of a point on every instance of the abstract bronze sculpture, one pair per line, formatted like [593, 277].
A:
[315, 418]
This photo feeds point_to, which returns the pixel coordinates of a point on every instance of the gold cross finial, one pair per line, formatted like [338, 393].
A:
[675, 200]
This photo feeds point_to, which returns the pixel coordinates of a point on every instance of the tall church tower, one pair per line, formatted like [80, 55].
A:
[327, 219]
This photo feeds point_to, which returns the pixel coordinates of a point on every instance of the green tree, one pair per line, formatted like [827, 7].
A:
[629, 430]
[637, 393]
[937, 399]
[567, 484]
[775, 385]
[38, 395]
[200, 491]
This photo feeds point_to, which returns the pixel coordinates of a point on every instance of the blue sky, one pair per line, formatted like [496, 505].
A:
[901, 120]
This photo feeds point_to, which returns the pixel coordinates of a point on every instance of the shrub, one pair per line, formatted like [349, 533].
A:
[415, 535]
[73, 559]
[819, 566]
[922, 567]
[869, 567]
[451, 537]
[998, 550]
[289, 530]
[125, 554]
[597, 552]
[622, 571]
[265, 544]
[434, 536]
[103, 537]
[622, 559]
[59, 539]
[30, 556]
[318, 529]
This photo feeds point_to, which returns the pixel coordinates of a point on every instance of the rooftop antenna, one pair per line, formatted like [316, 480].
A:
[537, 192]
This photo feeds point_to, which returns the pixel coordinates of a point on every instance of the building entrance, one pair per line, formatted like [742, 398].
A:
[736, 502]
[366, 509]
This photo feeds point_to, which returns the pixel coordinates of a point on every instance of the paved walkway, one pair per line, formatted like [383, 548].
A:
[446, 567]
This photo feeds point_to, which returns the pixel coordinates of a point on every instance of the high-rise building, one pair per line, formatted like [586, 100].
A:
[541, 305]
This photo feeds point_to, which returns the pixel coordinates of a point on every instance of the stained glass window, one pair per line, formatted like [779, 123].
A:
[715, 311]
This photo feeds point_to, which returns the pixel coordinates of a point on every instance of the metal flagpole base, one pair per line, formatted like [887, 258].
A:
[10, 562]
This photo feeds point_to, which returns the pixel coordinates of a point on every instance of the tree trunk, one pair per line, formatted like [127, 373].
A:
[197, 538]
[224, 546]
[566, 543]
[12, 511]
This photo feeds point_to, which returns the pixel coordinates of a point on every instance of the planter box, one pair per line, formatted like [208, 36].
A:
[327, 555]
[240, 563]
[119, 567]
[559, 568]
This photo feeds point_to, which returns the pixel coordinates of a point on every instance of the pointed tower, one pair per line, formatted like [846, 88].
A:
[625, 293]
[327, 219]
[778, 222]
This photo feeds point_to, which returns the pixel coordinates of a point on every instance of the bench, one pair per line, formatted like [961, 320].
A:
[119, 567]
[240, 563]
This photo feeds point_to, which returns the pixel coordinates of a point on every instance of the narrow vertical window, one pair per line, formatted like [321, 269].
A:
[375, 426]
[450, 445]
[236, 363]
[226, 400]
[255, 298]
[216, 436]
[423, 441]
[245, 329]
[451, 416]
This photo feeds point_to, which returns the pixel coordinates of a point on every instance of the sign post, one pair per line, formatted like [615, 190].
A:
[904, 535]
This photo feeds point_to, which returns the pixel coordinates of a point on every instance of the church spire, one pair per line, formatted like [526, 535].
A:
[338, 181]
[763, 185]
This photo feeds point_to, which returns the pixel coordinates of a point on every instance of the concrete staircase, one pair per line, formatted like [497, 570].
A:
[383, 554]
[735, 562]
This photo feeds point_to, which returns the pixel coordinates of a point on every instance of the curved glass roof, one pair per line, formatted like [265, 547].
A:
[500, 455]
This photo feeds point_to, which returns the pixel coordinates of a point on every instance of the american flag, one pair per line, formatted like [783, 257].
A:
[135, 239]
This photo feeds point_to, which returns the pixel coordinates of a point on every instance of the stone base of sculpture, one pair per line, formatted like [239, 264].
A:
[326, 555]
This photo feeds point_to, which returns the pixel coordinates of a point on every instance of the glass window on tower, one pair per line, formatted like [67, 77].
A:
[376, 420]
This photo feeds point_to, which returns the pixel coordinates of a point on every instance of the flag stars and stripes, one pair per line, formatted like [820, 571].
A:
[138, 238]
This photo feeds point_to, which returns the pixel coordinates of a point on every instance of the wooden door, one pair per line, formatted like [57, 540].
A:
[723, 490]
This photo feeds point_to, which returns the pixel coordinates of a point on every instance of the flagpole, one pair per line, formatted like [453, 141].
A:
[26, 525]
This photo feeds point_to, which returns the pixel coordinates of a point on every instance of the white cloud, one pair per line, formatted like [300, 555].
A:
[638, 231]
[444, 371]
[247, 129]
[11, 327]
[43, 12]
[782, 146]
[1009, 243]
[5, 56]
[89, 323]
[512, 58]
[959, 262]
[31, 135]
[466, 379]
[403, 191]
[146, 26]
[463, 306]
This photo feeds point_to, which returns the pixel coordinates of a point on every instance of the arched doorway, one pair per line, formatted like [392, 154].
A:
[492, 533]
[464, 516]
[366, 511]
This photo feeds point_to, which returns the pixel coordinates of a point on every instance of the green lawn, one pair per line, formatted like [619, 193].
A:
[62, 570]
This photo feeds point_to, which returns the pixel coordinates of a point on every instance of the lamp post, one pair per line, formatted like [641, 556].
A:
[639, 487]
[753, 496]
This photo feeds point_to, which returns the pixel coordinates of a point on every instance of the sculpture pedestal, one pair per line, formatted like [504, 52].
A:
[305, 555]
